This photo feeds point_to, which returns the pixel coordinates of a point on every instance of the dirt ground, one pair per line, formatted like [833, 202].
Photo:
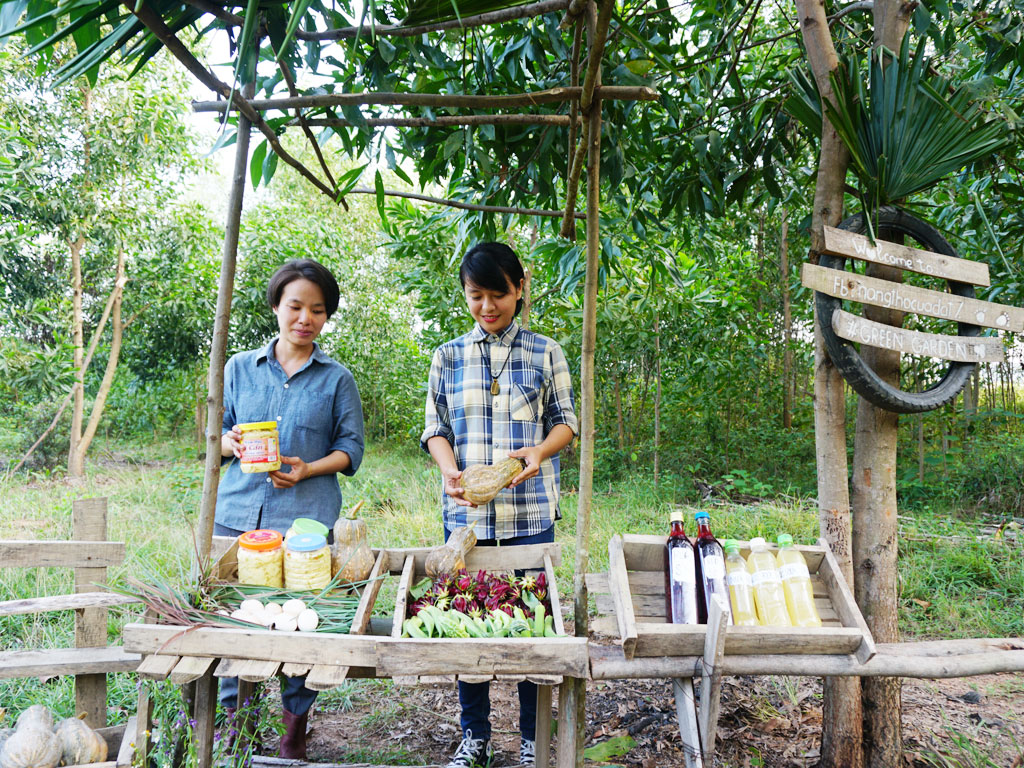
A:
[771, 722]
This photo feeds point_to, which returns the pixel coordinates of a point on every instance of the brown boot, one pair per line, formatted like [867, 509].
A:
[293, 743]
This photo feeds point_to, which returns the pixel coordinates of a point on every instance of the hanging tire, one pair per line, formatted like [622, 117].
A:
[864, 381]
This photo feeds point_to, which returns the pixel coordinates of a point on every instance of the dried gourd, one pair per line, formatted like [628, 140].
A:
[451, 556]
[5, 733]
[353, 558]
[36, 715]
[80, 744]
[482, 482]
[30, 746]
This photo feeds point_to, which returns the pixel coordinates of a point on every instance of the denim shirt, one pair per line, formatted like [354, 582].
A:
[317, 411]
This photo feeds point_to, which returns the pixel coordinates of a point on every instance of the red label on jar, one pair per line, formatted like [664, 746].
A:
[259, 450]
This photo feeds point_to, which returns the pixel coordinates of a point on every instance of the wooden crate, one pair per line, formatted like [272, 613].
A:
[541, 659]
[636, 586]
[185, 654]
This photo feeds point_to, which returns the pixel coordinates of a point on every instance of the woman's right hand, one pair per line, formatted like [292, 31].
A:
[231, 443]
[453, 488]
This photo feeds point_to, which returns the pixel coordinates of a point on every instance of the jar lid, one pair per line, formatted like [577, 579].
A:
[257, 425]
[307, 542]
[309, 525]
[259, 540]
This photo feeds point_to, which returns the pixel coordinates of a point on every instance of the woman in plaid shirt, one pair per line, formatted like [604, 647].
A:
[499, 390]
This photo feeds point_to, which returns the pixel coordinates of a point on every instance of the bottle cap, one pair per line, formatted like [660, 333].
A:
[309, 525]
[307, 542]
[701, 514]
[731, 545]
[676, 517]
[785, 540]
[758, 543]
[260, 540]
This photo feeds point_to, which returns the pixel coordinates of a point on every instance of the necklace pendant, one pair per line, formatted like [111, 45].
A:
[495, 389]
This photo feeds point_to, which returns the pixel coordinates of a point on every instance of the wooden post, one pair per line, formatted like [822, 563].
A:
[218, 351]
[711, 679]
[205, 712]
[543, 733]
[89, 523]
[686, 716]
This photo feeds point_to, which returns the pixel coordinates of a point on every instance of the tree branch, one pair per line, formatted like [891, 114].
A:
[462, 205]
[444, 121]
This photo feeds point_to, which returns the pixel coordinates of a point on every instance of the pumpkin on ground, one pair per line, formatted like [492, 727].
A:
[80, 744]
[36, 715]
[353, 558]
[30, 746]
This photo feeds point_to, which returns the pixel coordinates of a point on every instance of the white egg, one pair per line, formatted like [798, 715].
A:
[238, 613]
[222, 612]
[294, 607]
[272, 608]
[308, 620]
[285, 623]
[252, 605]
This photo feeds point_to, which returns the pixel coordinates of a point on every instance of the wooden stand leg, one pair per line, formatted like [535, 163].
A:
[686, 714]
[246, 715]
[543, 734]
[143, 728]
[570, 723]
[89, 521]
[711, 679]
[205, 712]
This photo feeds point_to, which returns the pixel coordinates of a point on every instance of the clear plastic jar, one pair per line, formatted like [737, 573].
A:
[306, 525]
[307, 562]
[261, 558]
[261, 449]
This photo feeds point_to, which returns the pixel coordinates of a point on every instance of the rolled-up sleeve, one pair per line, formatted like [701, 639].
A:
[348, 422]
[436, 413]
[559, 408]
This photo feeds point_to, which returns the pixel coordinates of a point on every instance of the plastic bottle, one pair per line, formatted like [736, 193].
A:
[680, 575]
[741, 590]
[796, 584]
[710, 569]
[768, 595]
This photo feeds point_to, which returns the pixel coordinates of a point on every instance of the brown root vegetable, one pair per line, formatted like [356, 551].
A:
[451, 556]
[482, 482]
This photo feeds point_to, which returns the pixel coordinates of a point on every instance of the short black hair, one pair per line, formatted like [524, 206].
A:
[492, 266]
[304, 269]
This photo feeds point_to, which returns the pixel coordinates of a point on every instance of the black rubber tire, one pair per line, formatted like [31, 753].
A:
[864, 381]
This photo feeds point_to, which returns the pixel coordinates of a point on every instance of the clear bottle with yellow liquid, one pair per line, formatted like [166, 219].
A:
[796, 584]
[741, 589]
[767, 583]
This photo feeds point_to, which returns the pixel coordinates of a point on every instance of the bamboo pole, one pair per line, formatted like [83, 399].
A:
[443, 121]
[471, 101]
[462, 205]
[218, 350]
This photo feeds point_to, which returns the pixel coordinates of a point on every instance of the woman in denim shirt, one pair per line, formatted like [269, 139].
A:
[315, 402]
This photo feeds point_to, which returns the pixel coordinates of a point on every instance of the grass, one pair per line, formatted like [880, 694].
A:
[952, 584]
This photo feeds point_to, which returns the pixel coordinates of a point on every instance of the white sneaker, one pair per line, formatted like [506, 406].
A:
[527, 753]
[472, 753]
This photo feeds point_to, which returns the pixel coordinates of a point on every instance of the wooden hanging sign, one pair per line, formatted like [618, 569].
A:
[964, 349]
[842, 242]
[906, 298]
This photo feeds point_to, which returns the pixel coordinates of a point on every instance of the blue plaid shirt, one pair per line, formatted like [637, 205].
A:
[535, 395]
[317, 411]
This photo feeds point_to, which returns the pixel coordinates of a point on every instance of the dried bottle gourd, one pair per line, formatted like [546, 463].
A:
[451, 556]
[482, 482]
[353, 558]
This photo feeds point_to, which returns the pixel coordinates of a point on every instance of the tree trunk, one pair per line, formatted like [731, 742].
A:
[657, 395]
[76, 467]
[787, 327]
[618, 414]
[841, 705]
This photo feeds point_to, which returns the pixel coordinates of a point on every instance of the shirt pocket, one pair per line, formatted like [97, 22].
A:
[525, 403]
[315, 415]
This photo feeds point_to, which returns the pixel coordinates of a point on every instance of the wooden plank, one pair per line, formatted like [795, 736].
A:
[61, 554]
[964, 349]
[845, 605]
[295, 670]
[622, 600]
[205, 713]
[474, 679]
[540, 655]
[63, 603]
[556, 607]
[157, 666]
[126, 750]
[296, 647]
[143, 727]
[229, 667]
[89, 523]
[190, 668]
[66, 661]
[361, 620]
[323, 677]
[688, 640]
[223, 551]
[486, 558]
[908, 298]
[711, 677]
[402, 597]
[686, 716]
[840, 242]
[258, 670]
[543, 732]
[437, 679]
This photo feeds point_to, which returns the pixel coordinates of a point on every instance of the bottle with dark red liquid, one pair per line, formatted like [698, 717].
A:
[710, 569]
[680, 575]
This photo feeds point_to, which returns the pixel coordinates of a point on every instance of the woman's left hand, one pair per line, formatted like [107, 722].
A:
[299, 472]
[533, 457]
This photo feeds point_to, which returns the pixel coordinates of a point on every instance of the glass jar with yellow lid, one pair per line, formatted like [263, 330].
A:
[261, 449]
[307, 562]
[261, 558]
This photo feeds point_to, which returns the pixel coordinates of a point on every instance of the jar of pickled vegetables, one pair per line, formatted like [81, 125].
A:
[306, 525]
[261, 558]
[307, 562]
[260, 447]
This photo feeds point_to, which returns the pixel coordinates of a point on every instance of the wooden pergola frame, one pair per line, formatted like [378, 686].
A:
[584, 122]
